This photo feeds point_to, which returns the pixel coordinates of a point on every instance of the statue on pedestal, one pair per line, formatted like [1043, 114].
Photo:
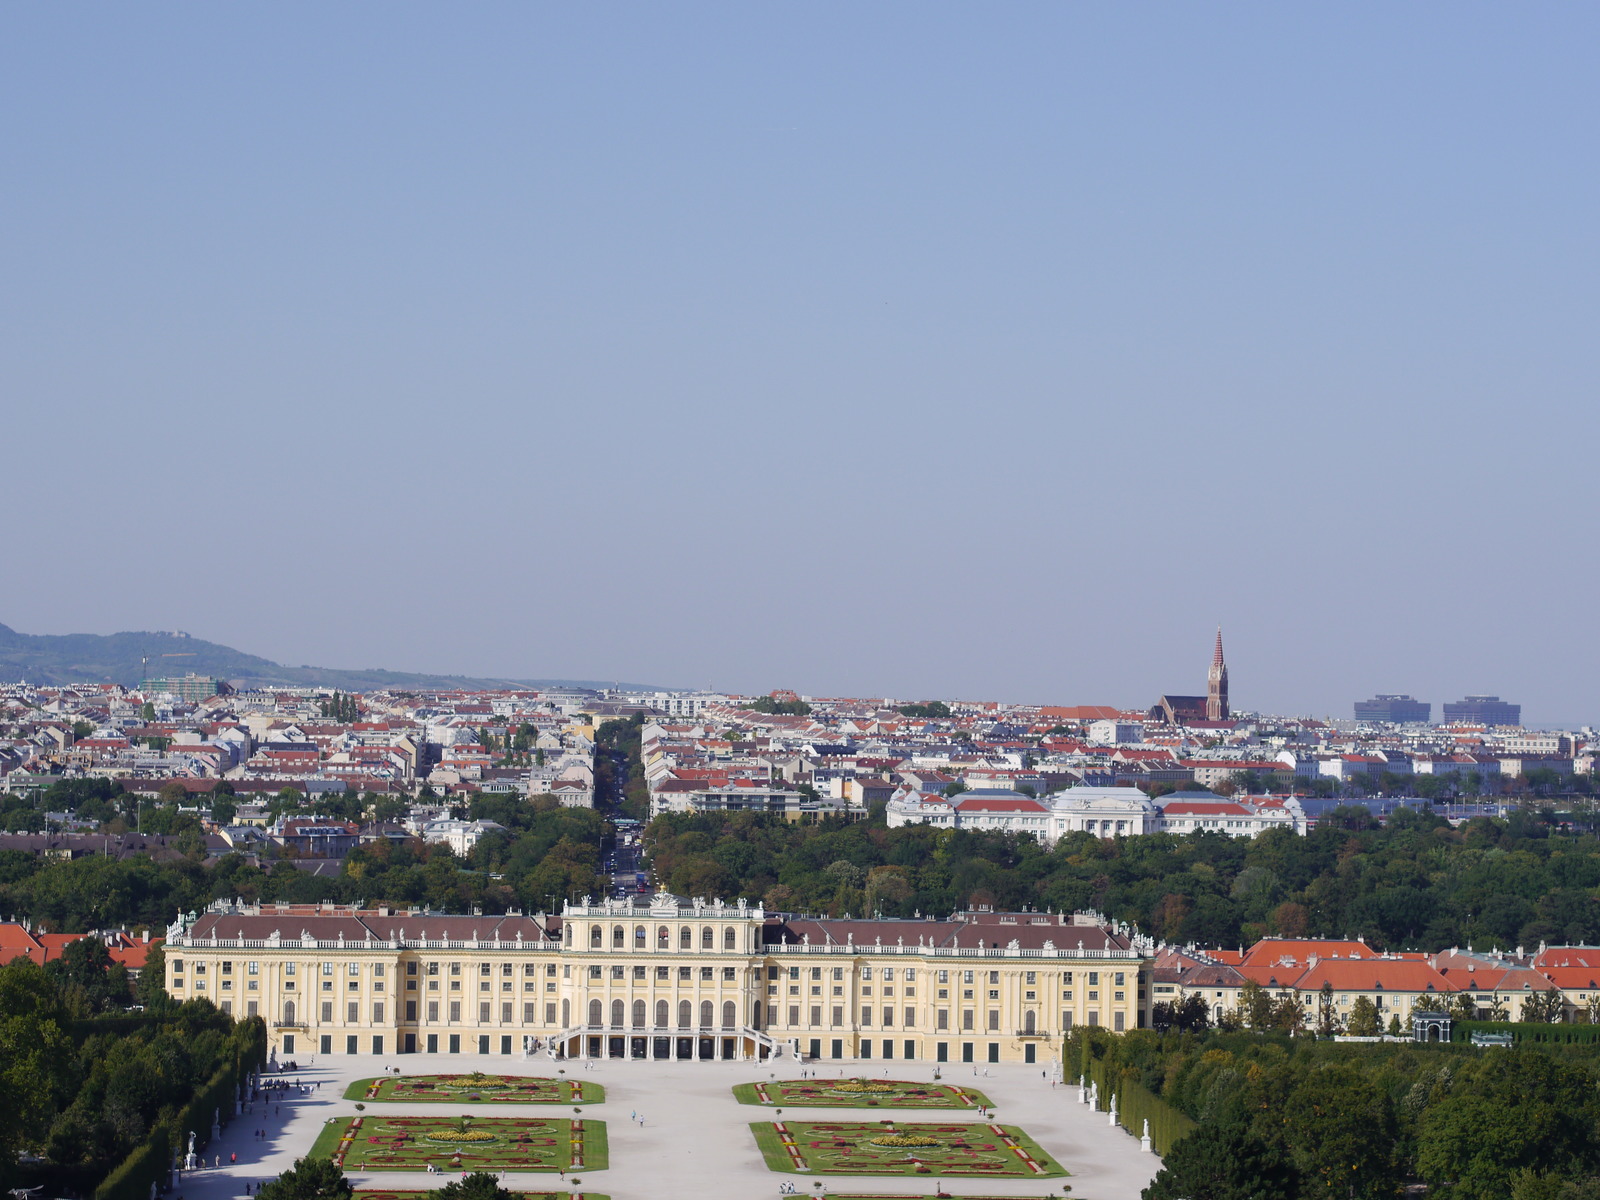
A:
[1144, 1140]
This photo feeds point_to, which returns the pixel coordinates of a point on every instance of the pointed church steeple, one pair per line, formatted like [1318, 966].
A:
[1217, 684]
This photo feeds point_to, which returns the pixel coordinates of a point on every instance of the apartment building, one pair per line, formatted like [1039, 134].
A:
[662, 977]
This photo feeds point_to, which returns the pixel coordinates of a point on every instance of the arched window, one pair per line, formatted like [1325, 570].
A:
[594, 1012]
[730, 938]
[663, 938]
[566, 1013]
[288, 1012]
[638, 1014]
[708, 940]
[619, 937]
[705, 1014]
[683, 1014]
[686, 939]
[639, 938]
[595, 937]
[1027, 1021]
[755, 1015]
[730, 1014]
[616, 1014]
[566, 935]
[661, 1014]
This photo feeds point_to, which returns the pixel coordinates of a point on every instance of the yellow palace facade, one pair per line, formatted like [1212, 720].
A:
[661, 977]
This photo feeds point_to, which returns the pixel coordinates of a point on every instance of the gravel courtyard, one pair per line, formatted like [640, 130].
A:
[695, 1140]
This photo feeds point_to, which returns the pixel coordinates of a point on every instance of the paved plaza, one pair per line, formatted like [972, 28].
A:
[695, 1140]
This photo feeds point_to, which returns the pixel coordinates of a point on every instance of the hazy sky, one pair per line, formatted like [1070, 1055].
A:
[986, 351]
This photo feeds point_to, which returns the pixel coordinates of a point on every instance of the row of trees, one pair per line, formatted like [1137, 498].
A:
[1261, 1011]
[1290, 1118]
[1415, 883]
[546, 855]
[82, 1090]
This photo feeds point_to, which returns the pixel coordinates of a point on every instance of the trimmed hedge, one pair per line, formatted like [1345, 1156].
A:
[1527, 1031]
[121, 1024]
[147, 1162]
[132, 1177]
[1136, 1103]
[215, 1097]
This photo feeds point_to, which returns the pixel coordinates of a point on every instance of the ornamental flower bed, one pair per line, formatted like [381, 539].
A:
[857, 1093]
[867, 1148]
[471, 1144]
[476, 1088]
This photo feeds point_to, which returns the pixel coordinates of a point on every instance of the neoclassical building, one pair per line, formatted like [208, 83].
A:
[662, 977]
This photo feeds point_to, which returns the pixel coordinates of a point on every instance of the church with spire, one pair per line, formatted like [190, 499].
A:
[1190, 710]
[1217, 684]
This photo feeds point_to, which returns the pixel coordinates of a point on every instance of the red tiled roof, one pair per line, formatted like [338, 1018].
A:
[1301, 950]
[1375, 974]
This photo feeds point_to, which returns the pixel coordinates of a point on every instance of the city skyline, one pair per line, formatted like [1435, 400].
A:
[857, 351]
[1212, 706]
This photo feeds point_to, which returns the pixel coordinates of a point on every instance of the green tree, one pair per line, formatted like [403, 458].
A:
[1364, 1019]
[309, 1179]
[480, 1185]
[1547, 1006]
[1327, 1012]
[1224, 1162]
[1340, 1131]
[36, 1057]
[1519, 1109]
[1255, 1006]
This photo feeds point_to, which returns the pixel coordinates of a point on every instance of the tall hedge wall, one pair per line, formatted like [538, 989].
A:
[132, 1177]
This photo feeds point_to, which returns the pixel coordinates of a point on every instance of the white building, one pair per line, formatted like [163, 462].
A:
[1115, 733]
[1103, 812]
[460, 836]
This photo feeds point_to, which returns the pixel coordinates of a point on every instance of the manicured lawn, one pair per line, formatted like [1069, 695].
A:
[850, 1148]
[476, 1088]
[384, 1143]
[857, 1093]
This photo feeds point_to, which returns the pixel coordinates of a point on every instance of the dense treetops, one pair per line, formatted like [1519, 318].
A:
[1416, 883]
[1323, 1119]
[84, 1089]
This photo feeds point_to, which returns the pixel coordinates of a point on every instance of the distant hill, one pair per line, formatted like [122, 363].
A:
[116, 658]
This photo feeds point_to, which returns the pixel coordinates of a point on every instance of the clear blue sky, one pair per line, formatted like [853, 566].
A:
[911, 349]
